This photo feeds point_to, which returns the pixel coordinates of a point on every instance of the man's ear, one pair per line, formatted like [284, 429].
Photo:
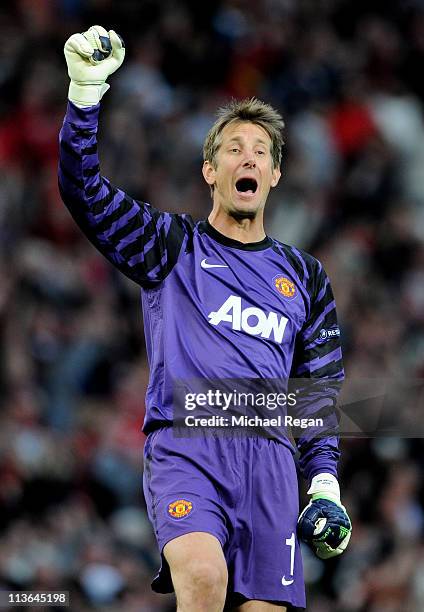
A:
[276, 175]
[209, 173]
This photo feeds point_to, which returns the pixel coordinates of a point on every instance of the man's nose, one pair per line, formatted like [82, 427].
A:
[249, 162]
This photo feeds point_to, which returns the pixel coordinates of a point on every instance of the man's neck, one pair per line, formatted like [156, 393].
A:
[244, 230]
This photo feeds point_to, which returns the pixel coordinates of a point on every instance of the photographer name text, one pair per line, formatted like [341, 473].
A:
[255, 421]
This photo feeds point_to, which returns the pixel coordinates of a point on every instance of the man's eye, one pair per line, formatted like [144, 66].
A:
[235, 150]
[260, 152]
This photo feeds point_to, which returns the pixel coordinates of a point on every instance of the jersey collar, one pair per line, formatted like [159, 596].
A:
[207, 228]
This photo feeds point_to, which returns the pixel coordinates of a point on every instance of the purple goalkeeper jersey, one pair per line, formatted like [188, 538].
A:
[214, 308]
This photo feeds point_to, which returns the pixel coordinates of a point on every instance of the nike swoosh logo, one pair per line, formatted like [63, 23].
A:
[205, 265]
[285, 582]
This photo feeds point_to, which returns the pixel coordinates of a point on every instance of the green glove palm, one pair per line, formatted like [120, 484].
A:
[91, 57]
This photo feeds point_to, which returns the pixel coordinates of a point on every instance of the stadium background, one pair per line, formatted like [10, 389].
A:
[348, 78]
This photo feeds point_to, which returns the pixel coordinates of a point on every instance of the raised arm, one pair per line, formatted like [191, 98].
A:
[138, 239]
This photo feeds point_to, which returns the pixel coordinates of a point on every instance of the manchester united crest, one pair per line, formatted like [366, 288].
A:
[180, 508]
[285, 286]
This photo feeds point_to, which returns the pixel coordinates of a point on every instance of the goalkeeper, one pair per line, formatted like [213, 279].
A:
[224, 508]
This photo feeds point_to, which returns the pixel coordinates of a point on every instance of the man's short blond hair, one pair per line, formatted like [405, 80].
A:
[249, 109]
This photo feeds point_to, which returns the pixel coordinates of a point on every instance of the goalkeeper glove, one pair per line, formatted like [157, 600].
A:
[324, 524]
[91, 57]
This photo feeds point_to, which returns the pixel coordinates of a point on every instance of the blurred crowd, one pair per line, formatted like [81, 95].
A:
[347, 77]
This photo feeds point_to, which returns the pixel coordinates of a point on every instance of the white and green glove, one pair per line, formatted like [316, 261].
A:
[324, 524]
[91, 57]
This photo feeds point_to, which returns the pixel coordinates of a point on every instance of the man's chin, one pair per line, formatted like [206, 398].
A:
[241, 211]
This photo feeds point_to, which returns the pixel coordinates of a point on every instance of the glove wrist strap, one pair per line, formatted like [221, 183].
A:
[86, 95]
[325, 486]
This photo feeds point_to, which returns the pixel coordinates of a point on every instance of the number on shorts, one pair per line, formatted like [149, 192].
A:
[290, 542]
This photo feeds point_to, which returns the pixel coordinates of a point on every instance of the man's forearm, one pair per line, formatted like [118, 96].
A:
[318, 455]
[116, 224]
[79, 172]
[139, 240]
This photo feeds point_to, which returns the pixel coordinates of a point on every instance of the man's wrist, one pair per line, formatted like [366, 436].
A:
[325, 486]
[86, 95]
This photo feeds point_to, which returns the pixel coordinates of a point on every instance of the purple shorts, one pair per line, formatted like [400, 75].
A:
[243, 490]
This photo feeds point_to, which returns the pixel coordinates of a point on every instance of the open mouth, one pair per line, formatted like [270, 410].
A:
[246, 185]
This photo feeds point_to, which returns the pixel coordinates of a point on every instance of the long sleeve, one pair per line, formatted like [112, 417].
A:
[318, 358]
[139, 240]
